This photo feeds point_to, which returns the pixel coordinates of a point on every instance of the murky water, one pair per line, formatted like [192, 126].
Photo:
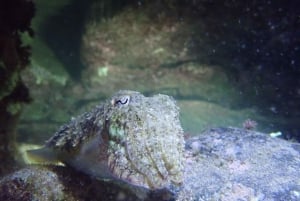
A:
[223, 61]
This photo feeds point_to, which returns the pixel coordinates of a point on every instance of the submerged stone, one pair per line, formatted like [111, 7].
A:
[220, 164]
[237, 164]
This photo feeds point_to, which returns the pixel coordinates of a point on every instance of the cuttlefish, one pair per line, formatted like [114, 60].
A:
[132, 138]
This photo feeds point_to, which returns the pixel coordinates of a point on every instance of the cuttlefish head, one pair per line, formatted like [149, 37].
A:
[145, 140]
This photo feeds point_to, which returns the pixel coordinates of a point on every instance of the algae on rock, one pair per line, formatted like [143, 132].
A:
[14, 58]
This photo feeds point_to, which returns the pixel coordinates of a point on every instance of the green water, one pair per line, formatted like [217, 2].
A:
[218, 60]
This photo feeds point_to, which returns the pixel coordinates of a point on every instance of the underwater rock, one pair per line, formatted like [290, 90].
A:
[130, 138]
[237, 164]
[220, 164]
[34, 183]
[159, 50]
[59, 183]
[15, 19]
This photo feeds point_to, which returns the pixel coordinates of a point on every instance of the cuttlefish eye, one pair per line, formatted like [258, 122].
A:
[123, 100]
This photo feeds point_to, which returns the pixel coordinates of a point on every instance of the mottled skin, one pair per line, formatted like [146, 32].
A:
[130, 137]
